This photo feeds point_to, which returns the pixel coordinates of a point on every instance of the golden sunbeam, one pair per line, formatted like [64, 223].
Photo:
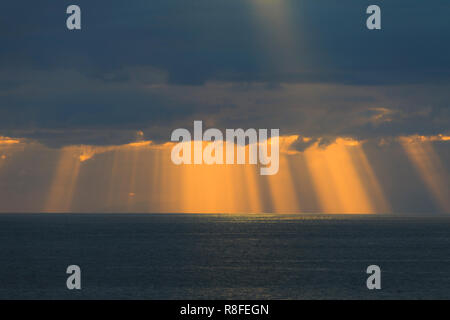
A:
[370, 180]
[141, 176]
[154, 177]
[253, 190]
[169, 182]
[135, 152]
[113, 179]
[284, 199]
[64, 182]
[429, 166]
[336, 181]
[219, 188]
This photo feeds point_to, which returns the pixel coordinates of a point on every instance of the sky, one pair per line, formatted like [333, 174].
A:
[86, 115]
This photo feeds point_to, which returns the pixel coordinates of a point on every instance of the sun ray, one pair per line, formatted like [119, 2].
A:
[370, 180]
[337, 178]
[284, 199]
[282, 45]
[430, 168]
[65, 180]
[337, 183]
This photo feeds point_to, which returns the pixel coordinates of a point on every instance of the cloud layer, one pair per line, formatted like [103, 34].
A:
[306, 67]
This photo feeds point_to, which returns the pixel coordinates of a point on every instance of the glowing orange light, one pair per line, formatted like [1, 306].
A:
[422, 154]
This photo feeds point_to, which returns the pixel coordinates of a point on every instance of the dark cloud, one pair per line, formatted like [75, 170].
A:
[204, 40]
[301, 145]
[157, 65]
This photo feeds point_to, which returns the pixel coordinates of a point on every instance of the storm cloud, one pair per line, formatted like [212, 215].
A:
[313, 69]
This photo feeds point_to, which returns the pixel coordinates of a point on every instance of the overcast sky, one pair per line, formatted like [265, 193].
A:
[309, 68]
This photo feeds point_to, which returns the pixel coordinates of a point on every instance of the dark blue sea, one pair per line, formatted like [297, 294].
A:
[168, 256]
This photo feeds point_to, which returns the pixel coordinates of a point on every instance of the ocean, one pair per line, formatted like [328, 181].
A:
[185, 256]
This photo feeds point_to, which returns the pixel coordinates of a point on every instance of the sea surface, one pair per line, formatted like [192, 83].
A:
[174, 256]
